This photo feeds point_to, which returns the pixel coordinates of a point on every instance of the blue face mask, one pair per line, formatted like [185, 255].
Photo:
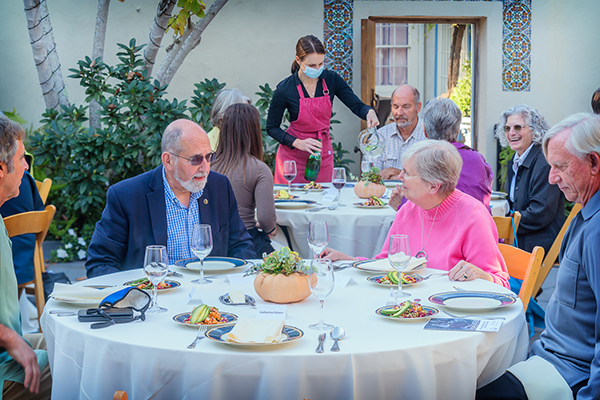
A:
[313, 72]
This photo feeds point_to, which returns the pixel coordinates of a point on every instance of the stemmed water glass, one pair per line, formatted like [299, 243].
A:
[289, 172]
[201, 244]
[321, 281]
[339, 181]
[318, 236]
[399, 257]
[156, 266]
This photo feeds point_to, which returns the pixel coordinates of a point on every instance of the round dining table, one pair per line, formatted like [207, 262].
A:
[379, 358]
[354, 230]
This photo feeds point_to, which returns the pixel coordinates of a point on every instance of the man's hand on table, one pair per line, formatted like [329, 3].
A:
[389, 173]
[335, 255]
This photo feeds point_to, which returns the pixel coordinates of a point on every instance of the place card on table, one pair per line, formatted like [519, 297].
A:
[194, 295]
[271, 311]
[344, 280]
[330, 195]
[461, 324]
[240, 279]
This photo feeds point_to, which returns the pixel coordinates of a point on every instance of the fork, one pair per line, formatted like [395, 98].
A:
[471, 315]
[331, 207]
[201, 330]
[435, 274]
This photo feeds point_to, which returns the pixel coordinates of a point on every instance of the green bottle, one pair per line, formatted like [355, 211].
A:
[313, 165]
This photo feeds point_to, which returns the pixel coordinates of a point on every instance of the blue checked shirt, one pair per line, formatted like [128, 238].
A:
[180, 223]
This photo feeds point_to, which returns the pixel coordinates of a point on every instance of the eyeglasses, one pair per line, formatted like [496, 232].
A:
[198, 158]
[517, 128]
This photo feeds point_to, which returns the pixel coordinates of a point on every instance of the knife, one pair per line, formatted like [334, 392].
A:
[321, 341]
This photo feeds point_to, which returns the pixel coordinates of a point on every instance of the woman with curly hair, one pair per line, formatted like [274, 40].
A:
[541, 204]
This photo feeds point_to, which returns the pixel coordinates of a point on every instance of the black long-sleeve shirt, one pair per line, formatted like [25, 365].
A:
[286, 96]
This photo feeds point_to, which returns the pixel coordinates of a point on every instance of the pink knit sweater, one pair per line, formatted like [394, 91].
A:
[463, 230]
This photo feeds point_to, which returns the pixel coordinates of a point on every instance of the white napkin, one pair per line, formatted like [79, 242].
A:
[384, 265]
[254, 330]
[76, 292]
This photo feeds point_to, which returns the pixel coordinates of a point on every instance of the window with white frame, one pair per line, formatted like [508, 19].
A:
[391, 54]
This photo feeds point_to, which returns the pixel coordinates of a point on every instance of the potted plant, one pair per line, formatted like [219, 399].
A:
[282, 277]
[370, 184]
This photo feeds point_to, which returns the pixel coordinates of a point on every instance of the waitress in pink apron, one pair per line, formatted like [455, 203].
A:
[307, 95]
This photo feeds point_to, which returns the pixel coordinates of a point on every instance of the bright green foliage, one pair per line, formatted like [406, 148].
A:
[188, 8]
[503, 159]
[372, 176]
[461, 94]
[202, 100]
[283, 261]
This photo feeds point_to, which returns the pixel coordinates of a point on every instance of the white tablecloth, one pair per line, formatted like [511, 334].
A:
[379, 358]
[352, 230]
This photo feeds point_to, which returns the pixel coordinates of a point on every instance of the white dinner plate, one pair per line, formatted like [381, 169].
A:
[295, 203]
[300, 187]
[392, 183]
[226, 318]
[216, 334]
[73, 300]
[430, 310]
[361, 205]
[472, 301]
[498, 195]
[212, 264]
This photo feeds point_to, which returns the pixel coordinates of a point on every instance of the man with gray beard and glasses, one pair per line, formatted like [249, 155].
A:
[163, 205]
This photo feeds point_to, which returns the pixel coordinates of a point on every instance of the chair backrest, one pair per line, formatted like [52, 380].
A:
[505, 227]
[44, 188]
[36, 222]
[120, 395]
[523, 265]
[552, 255]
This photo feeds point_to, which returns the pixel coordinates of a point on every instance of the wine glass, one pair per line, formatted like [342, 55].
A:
[156, 266]
[339, 181]
[201, 244]
[321, 281]
[399, 257]
[289, 172]
[318, 236]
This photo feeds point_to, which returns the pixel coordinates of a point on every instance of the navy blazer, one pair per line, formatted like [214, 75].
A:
[542, 205]
[135, 217]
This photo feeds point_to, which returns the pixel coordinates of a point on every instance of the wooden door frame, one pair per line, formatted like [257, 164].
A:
[367, 56]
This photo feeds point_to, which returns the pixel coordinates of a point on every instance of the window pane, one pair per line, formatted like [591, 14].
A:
[401, 34]
[400, 57]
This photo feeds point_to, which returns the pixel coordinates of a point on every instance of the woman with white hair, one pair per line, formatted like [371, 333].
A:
[223, 99]
[454, 230]
[542, 205]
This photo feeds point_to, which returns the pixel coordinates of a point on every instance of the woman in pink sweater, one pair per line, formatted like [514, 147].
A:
[456, 232]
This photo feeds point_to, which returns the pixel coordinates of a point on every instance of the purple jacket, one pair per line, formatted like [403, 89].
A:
[475, 176]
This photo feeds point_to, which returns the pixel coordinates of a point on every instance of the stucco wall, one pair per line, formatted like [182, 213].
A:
[251, 42]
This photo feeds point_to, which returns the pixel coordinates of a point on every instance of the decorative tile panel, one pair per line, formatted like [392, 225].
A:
[516, 46]
[338, 16]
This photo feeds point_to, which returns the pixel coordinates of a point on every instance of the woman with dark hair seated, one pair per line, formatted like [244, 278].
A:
[454, 230]
[239, 157]
[542, 205]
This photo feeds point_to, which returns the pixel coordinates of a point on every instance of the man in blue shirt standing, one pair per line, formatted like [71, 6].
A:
[567, 355]
[163, 205]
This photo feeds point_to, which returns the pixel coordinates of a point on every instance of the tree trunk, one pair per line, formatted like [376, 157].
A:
[163, 13]
[45, 55]
[454, 63]
[175, 57]
[98, 52]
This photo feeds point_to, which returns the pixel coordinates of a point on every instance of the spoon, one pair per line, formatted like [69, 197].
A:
[337, 333]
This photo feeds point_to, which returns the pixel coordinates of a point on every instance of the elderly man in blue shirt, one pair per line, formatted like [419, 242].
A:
[163, 205]
[565, 361]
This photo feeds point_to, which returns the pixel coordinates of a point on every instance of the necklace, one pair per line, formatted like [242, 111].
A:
[422, 252]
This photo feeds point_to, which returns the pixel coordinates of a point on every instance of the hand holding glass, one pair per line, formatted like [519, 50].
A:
[318, 236]
[156, 266]
[339, 181]
[289, 172]
[201, 244]
[399, 257]
[321, 282]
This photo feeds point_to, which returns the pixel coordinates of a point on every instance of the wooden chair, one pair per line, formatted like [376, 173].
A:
[552, 255]
[44, 188]
[523, 265]
[505, 227]
[120, 395]
[33, 222]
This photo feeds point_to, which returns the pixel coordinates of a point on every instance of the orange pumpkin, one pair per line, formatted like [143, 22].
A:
[364, 190]
[282, 289]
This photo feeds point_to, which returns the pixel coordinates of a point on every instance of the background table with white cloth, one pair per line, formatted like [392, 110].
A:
[352, 230]
[379, 358]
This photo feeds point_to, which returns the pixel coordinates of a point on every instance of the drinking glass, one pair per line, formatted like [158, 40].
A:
[321, 281]
[156, 266]
[201, 244]
[289, 172]
[366, 164]
[399, 257]
[318, 236]
[339, 181]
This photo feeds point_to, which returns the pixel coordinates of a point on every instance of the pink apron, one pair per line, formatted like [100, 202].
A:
[313, 122]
